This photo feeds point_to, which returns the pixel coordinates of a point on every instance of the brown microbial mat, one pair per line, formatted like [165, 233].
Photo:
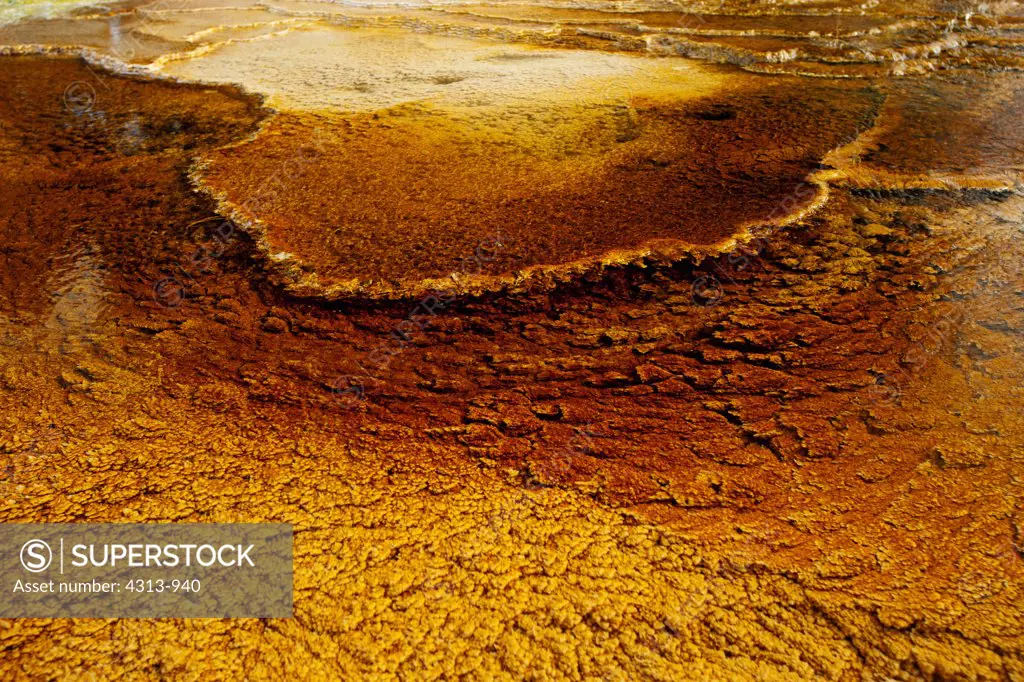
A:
[568, 354]
[366, 204]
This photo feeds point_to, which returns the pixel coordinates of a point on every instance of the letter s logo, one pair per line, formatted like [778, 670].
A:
[36, 556]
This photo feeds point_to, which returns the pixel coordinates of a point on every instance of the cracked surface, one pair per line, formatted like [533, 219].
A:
[796, 461]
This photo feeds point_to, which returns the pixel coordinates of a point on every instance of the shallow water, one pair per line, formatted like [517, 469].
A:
[795, 460]
[11, 12]
[511, 130]
[535, 187]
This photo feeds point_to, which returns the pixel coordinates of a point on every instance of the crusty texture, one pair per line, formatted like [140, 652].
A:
[813, 478]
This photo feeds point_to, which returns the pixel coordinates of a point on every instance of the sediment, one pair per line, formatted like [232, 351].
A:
[796, 459]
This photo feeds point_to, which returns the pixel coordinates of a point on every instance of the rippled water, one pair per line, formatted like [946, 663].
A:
[12, 11]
